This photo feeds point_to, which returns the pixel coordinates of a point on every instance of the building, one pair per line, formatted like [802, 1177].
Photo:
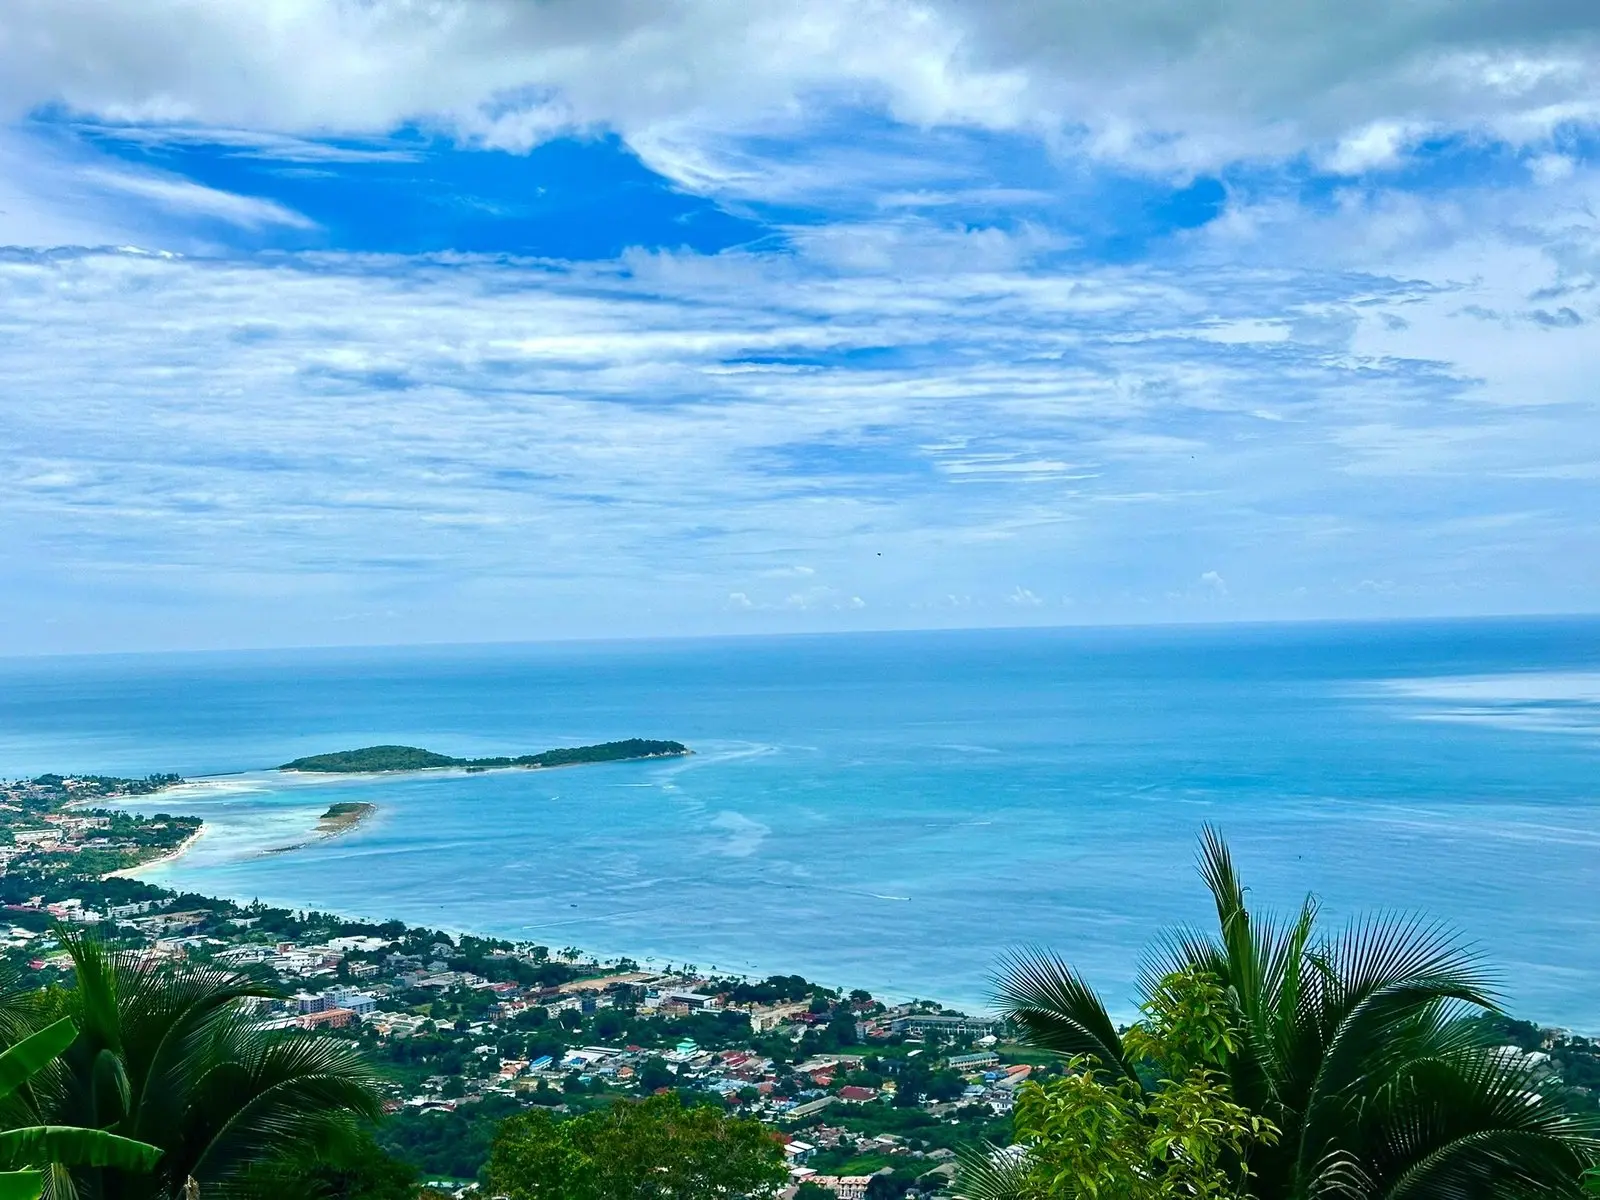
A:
[949, 1025]
[974, 1062]
[331, 1018]
[845, 1187]
[810, 1108]
[797, 1152]
[357, 1002]
[763, 1019]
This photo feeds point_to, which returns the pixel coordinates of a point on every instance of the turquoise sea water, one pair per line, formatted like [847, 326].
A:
[893, 810]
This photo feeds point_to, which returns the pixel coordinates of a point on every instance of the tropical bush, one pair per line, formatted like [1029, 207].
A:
[1276, 1061]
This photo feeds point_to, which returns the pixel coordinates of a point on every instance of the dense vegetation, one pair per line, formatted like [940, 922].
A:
[655, 1148]
[413, 758]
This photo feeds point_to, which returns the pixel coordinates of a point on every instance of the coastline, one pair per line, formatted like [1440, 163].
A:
[172, 855]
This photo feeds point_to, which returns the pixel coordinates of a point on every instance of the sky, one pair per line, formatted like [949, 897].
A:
[392, 321]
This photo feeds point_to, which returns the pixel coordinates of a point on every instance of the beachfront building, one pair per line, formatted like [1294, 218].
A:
[948, 1024]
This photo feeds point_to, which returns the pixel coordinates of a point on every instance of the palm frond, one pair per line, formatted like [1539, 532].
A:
[274, 1093]
[21, 1185]
[1481, 1124]
[1376, 951]
[1056, 1010]
[992, 1173]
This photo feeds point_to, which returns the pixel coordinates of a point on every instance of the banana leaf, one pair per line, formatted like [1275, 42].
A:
[21, 1185]
[33, 1053]
[74, 1147]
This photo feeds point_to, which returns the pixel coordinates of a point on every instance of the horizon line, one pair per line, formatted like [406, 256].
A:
[625, 639]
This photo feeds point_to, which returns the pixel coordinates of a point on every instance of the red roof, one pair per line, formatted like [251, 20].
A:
[852, 1092]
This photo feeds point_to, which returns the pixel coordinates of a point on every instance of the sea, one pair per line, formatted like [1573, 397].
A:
[893, 811]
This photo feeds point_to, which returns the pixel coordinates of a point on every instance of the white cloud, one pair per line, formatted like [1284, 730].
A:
[1552, 168]
[256, 443]
[1169, 83]
[193, 199]
[1379, 144]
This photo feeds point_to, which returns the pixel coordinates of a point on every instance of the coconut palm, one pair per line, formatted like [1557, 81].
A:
[45, 1147]
[1357, 1047]
[174, 1056]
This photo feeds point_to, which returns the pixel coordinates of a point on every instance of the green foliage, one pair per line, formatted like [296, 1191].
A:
[445, 1144]
[413, 758]
[654, 1149]
[1098, 1133]
[21, 1066]
[171, 1057]
[349, 1165]
[1364, 1052]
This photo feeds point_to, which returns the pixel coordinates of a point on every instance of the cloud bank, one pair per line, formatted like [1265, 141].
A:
[388, 321]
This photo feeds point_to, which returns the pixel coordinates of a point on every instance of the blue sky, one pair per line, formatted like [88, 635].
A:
[327, 322]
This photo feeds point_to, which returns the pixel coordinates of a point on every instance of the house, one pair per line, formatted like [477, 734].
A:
[851, 1094]
[797, 1152]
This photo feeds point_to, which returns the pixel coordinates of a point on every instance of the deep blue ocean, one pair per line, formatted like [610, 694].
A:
[893, 811]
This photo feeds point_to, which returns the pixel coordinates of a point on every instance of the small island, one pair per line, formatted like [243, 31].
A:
[343, 817]
[375, 759]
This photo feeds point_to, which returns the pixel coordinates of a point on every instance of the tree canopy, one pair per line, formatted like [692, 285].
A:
[652, 1149]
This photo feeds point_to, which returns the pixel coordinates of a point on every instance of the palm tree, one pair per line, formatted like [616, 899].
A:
[1357, 1047]
[53, 1145]
[174, 1057]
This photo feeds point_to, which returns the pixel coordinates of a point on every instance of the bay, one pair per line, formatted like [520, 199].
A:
[891, 811]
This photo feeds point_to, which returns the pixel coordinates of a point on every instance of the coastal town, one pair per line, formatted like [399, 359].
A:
[868, 1099]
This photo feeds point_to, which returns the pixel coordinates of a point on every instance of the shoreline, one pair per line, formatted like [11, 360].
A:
[646, 961]
[172, 855]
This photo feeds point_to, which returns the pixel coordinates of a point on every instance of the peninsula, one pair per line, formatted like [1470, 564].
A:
[375, 759]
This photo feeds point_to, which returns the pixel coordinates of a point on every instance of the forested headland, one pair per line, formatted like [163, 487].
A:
[371, 759]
